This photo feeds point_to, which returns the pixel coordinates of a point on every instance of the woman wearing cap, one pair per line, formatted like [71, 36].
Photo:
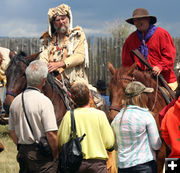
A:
[136, 132]
[155, 43]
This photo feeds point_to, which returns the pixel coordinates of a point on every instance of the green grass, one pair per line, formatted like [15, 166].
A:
[8, 163]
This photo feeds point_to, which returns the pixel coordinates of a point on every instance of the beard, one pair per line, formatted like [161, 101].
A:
[62, 29]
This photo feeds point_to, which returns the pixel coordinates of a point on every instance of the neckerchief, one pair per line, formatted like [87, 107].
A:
[143, 47]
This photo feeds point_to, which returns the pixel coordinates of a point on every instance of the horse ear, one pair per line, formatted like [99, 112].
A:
[111, 68]
[131, 68]
[33, 56]
[12, 54]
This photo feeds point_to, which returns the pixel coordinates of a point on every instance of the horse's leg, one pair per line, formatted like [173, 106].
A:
[160, 156]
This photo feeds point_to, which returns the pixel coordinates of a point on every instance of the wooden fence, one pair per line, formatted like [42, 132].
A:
[101, 50]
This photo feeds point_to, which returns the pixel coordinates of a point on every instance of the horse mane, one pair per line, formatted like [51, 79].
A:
[142, 76]
[19, 56]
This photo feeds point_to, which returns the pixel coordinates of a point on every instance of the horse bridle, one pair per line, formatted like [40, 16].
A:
[118, 108]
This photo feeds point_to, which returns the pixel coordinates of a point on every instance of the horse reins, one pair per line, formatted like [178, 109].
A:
[118, 108]
[157, 81]
[10, 93]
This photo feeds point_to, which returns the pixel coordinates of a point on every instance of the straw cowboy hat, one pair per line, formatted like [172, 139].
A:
[141, 13]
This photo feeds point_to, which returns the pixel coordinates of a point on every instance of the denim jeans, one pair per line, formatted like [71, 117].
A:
[149, 167]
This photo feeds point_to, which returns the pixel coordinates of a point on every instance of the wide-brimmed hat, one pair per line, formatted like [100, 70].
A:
[141, 13]
[135, 88]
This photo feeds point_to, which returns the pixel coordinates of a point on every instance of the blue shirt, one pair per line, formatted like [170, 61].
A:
[106, 98]
[136, 136]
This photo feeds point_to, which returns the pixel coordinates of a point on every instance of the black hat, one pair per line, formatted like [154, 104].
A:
[101, 85]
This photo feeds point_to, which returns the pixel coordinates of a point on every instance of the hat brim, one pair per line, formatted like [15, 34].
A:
[153, 19]
[148, 90]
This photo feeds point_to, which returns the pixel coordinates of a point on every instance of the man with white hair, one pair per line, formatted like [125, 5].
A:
[37, 119]
[65, 48]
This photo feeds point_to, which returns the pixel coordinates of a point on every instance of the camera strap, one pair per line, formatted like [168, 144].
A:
[73, 124]
[24, 109]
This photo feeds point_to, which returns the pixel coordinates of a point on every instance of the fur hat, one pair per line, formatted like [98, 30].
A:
[62, 9]
[141, 13]
[135, 88]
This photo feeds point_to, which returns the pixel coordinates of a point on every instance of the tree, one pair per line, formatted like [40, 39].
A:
[119, 29]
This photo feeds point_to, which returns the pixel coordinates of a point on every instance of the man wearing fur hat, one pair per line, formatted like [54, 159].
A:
[65, 48]
[155, 44]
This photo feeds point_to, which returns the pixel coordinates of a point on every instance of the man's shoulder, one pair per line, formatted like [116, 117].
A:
[45, 37]
[77, 28]
[16, 101]
[41, 96]
[77, 31]
[161, 31]
[133, 36]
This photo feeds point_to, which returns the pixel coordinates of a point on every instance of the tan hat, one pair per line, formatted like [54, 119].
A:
[141, 13]
[135, 88]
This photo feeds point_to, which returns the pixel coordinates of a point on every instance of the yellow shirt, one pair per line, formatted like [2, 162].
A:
[94, 123]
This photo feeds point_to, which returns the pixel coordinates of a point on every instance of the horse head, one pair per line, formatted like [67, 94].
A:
[16, 83]
[120, 78]
[15, 74]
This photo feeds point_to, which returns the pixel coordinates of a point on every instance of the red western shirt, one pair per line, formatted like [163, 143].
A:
[162, 53]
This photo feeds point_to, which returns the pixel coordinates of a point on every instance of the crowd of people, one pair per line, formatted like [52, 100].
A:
[133, 133]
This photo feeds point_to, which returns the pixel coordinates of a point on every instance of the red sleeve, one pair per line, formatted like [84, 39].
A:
[131, 43]
[165, 109]
[167, 49]
[164, 130]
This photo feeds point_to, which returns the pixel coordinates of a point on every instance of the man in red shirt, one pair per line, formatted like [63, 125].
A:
[155, 44]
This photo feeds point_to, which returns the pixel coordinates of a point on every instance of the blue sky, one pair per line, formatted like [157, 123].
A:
[28, 18]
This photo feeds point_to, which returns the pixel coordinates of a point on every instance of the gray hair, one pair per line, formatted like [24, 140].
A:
[36, 72]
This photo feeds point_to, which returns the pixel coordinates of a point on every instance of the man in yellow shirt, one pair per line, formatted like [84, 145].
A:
[93, 122]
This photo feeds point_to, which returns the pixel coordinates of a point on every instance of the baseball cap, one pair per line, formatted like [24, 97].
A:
[135, 88]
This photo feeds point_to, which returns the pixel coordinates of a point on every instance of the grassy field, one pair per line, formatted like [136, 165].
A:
[8, 163]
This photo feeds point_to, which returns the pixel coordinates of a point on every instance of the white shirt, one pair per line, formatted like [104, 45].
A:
[40, 113]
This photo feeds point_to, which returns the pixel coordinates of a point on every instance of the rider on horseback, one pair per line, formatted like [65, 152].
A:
[65, 48]
[154, 43]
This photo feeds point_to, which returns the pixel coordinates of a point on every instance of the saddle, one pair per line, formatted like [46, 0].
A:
[63, 85]
[167, 92]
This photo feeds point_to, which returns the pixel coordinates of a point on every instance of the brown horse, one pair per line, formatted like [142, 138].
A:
[120, 78]
[16, 83]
